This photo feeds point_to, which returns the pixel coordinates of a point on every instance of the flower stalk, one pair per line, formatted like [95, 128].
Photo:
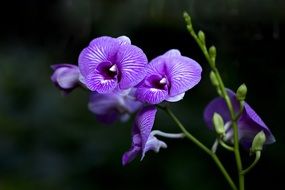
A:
[257, 157]
[221, 88]
[202, 146]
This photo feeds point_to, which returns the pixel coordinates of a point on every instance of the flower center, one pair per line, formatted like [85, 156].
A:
[158, 82]
[107, 70]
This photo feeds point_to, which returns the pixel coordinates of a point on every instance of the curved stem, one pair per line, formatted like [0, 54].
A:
[203, 147]
[257, 157]
[223, 144]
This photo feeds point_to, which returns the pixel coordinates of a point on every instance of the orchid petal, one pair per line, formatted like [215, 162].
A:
[131, 62]
[100, 84]
[151, 95]
[183, 73]
[250, 124]
[124, 40]
[102, 103]
[153, 144]
[172, 53]
[140, 133]
[135, 150]
[65, 76]
[144, 123]
[175, 98]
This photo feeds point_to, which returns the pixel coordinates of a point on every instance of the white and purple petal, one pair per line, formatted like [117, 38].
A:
[101, 49]
[134, 151]
[124, 40]
[175, 98]
[183, 74]
[153, 144]
[151, 95]
[99, 83]
[172, 53]
[131, 62]
[140, 133]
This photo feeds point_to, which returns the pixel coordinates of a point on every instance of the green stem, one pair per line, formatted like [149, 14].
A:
[224, 94]
[223, 144]
[203, 147]
[235, 128]
[257, 157]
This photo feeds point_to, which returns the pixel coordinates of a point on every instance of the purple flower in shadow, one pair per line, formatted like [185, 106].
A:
[108, 63]
[142, 138]
[168, 77]
[249, 123]
[65, 76]
[113, 106]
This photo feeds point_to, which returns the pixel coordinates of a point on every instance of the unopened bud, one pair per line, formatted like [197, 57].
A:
[214, 79]
[213, 52]
[186, 17]
[241, 92]
[219, 124]
[258, 142]
[189, 27]
[201, 36]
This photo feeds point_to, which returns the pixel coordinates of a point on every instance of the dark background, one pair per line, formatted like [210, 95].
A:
[48, 141]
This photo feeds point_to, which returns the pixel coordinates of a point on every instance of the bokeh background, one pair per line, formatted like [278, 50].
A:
[48, 141]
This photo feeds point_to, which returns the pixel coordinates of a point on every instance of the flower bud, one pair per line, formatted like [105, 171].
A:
[218, 124]
[214, 79]
[186, 17]
[258, 141]
[201, 36]
[65, 76]
[241, 92]
[213, 52]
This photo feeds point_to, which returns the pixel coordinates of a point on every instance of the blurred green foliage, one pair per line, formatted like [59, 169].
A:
[48, 141]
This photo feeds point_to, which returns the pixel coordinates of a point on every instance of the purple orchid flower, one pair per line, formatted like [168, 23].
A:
[108, 63]
[113, 106]
[65, 76]
[168, 77]
[249, 123]
[142, 138]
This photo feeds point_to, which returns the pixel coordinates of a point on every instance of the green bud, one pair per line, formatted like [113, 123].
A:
[241, 92]
[213, 52]
[189, 27]
[201, 36]
[186, 17]
[219, 92]
[258, 142]
[219, 124]
[214, 79]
